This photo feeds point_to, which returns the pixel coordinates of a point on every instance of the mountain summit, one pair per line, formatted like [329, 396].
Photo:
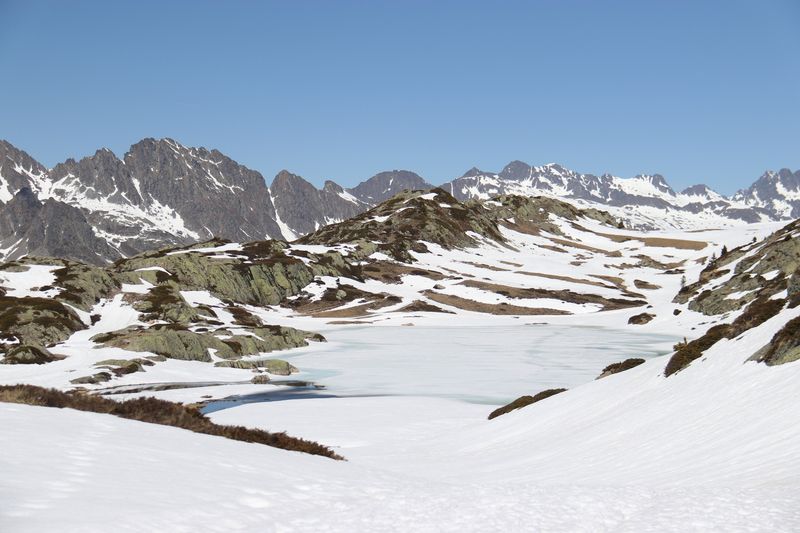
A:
[162, 193]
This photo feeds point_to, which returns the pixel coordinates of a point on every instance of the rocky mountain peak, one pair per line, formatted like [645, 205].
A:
[332, 187]
[776, 192]
[474, 171]
[384, 185]
[516, 170]
[700, 189]
[17, 170]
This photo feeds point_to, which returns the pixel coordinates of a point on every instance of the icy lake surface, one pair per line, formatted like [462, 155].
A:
[484, 364]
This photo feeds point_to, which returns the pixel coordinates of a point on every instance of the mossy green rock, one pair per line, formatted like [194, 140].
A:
[37, 322]
[758, 270]
[29, 355]
[261, 274]
[165, 303]
[277, 367]
[100, 377]
[176, 343]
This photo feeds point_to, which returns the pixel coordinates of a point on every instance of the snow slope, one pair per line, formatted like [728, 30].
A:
[705, 450]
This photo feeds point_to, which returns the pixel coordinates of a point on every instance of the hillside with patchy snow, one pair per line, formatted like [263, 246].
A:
[435, 312]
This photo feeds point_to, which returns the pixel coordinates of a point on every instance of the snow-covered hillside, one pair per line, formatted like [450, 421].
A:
[436, 312]
[701, 451]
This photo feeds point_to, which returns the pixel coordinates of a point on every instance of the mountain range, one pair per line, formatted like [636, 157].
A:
[161, 193]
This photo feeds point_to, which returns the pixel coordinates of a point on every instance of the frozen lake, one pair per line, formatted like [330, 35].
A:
[485, 364]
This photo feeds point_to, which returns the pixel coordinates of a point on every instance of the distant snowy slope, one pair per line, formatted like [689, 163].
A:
[644, 201]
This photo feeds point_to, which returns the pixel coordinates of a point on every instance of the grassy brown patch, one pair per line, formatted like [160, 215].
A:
[616, 368]
[563, 295]
[493, 309]
[524, 401]
[419, 306]
[154, 411]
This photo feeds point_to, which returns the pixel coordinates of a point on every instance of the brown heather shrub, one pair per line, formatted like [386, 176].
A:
[786, 339]
[524, 401]
[758, 312]
[155, 411]
[616, 368]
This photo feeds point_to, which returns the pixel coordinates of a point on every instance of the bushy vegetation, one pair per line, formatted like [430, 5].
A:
[616, 368]
[524, 401]
[783, 348]
[758, 312]
[155, 411]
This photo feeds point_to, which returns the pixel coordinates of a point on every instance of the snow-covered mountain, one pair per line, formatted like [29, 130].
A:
[161, 193]
[776, 192]
[644, 201]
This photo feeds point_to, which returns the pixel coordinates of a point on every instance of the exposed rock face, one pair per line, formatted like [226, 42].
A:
[161, 193]
[759, 270]
[277, 367]
[776, 192]
[177, 343]
[784, 346]
[29, 355]
[260, 275]
[37, 322]
[165, 303]
[52, 228]
[384, 185]
[302, 208]
[400, 224]
[17, 171]
[173, 193]
[640, 319]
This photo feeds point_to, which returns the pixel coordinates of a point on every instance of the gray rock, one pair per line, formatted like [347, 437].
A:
[305, 209]
[384, 185]
[50, 229]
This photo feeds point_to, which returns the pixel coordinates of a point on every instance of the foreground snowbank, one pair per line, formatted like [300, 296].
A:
[95, 473]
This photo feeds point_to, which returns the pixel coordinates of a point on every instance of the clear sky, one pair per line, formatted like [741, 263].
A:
[699, 91]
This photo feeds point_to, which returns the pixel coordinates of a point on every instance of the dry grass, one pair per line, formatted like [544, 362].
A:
[393, 272]
[586, 247]
[562, 294]
[484, 265]
[154, 411]
[492, 309]
[360, 310]
[419, 306]
[654, 242]
[568, 279]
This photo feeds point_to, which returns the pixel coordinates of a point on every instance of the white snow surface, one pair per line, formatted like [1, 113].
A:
[711, 448]
[30, 281]
[704, 450]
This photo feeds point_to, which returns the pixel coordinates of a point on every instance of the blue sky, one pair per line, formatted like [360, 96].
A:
[700, 91]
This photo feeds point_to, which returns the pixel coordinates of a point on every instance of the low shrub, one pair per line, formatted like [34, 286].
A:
[155, 411]
[755, 314]
[524, 401]
[616, 368]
